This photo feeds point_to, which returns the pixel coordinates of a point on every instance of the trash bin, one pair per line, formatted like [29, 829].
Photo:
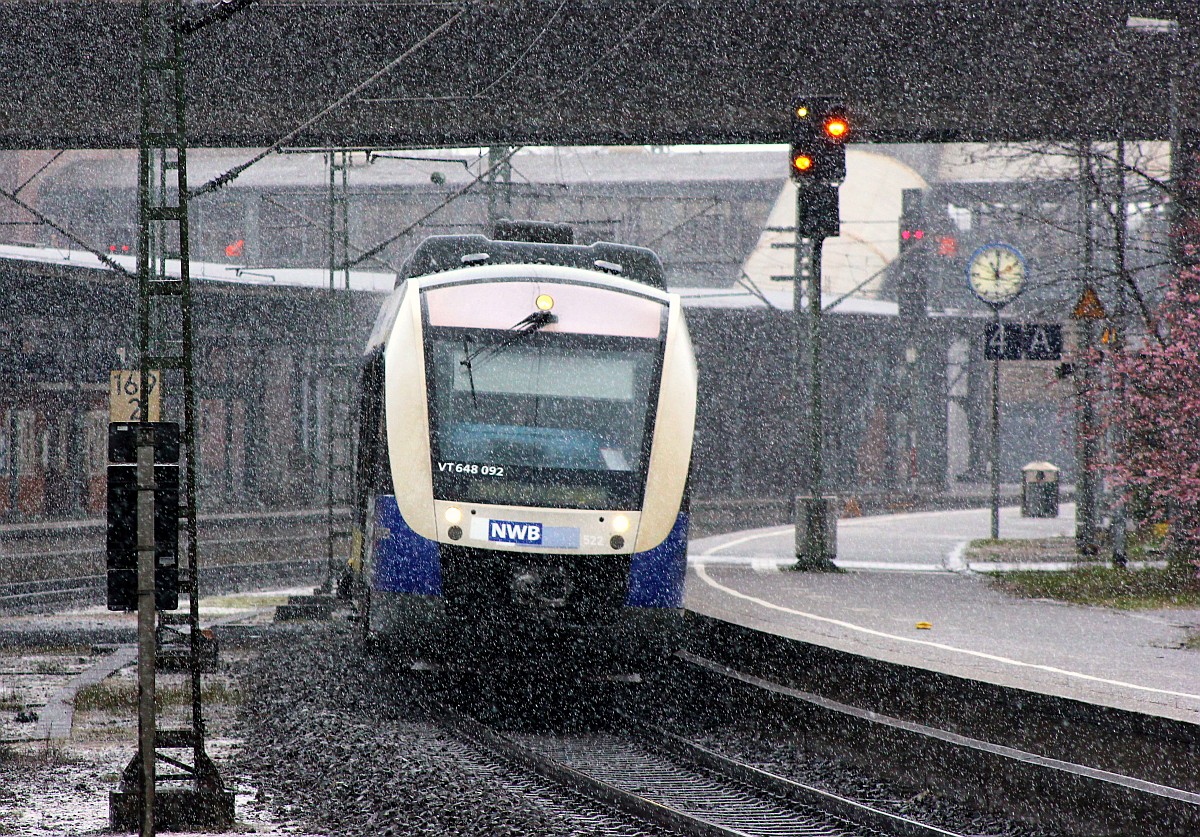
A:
[1039, 490]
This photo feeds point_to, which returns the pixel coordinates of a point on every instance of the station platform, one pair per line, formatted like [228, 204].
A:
[908, 569]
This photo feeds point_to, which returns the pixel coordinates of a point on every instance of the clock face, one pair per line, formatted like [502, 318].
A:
[996, 273]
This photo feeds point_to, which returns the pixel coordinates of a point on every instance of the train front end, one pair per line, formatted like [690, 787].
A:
[538, 422]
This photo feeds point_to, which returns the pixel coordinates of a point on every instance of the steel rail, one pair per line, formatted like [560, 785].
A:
[78, 545]
[47, 595]
[1088, 800]
[548, 768]
[769, 783]
[660, 791]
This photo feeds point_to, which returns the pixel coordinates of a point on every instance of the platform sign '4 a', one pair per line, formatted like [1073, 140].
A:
[1022, 341]
[125, 401]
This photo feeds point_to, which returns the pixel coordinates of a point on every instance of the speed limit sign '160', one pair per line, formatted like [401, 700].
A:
[125, 400]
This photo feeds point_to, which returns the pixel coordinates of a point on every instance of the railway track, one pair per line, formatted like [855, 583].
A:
[671, 783]
[1065, 797]
[59, 564]
[52, 594]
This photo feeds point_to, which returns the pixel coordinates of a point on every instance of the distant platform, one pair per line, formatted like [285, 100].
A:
[906, 569]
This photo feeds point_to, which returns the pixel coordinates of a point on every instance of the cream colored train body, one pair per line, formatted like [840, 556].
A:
[527, 415]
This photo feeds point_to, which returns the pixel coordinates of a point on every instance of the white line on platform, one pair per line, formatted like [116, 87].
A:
[889, 566]
[765, 533]
[776, 531]
[762, 564]
[754, 560]
[1050, 566]
[701, 571]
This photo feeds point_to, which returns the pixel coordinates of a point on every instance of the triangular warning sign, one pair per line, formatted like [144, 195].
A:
[1089, 307]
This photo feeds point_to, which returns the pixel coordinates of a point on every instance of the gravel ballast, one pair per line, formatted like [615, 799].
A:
[336, 742]
[342, 745]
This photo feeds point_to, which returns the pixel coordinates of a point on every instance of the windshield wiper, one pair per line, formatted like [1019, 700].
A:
[532, 324]
[466, 361]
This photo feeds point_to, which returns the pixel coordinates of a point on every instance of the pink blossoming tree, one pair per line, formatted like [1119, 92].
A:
[1160, 417]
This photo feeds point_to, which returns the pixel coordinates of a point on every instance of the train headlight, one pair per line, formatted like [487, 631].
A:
[544, 302]
[453, 515]
[620, 524]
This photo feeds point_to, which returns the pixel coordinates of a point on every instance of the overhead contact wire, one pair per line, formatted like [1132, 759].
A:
[231, 175]
[374, 251]
[37, 173]
[381, 246]
[312, 222]
[520, 58]
[63, 231]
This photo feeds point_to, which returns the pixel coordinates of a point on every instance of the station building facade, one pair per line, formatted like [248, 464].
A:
[893, 424]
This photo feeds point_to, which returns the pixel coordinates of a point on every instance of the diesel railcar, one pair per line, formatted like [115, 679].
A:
[526, 414]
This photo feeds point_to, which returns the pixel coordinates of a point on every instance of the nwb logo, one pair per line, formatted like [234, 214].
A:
[505, 531]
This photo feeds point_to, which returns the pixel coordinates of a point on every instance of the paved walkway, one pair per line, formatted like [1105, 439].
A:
[912, 542]
[907, 569]
[55, 719]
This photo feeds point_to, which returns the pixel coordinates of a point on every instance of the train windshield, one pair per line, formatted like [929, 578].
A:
[541, 418]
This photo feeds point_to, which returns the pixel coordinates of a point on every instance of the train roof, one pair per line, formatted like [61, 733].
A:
[529, 243]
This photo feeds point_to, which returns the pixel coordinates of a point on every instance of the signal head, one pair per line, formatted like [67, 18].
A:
[820, 127]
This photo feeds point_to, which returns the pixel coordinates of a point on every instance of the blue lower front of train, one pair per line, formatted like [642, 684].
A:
[434, 600]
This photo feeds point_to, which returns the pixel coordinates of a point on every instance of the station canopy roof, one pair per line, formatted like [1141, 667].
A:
[571, 72]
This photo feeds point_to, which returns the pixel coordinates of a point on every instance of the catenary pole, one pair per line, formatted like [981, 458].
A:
[1086, 442]
[1117, 338]
[994, 442]
[147, 644]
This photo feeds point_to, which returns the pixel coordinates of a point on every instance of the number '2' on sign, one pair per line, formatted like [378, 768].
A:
[125, 401]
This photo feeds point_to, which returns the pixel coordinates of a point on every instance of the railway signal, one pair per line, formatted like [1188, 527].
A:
[910, 237]
[817, 212]
[126, 479]
[912, 220]
[913, 282]
[917, 374]
[820, 128]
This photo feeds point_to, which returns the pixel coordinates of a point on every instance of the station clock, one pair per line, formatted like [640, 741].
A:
[996, 273]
